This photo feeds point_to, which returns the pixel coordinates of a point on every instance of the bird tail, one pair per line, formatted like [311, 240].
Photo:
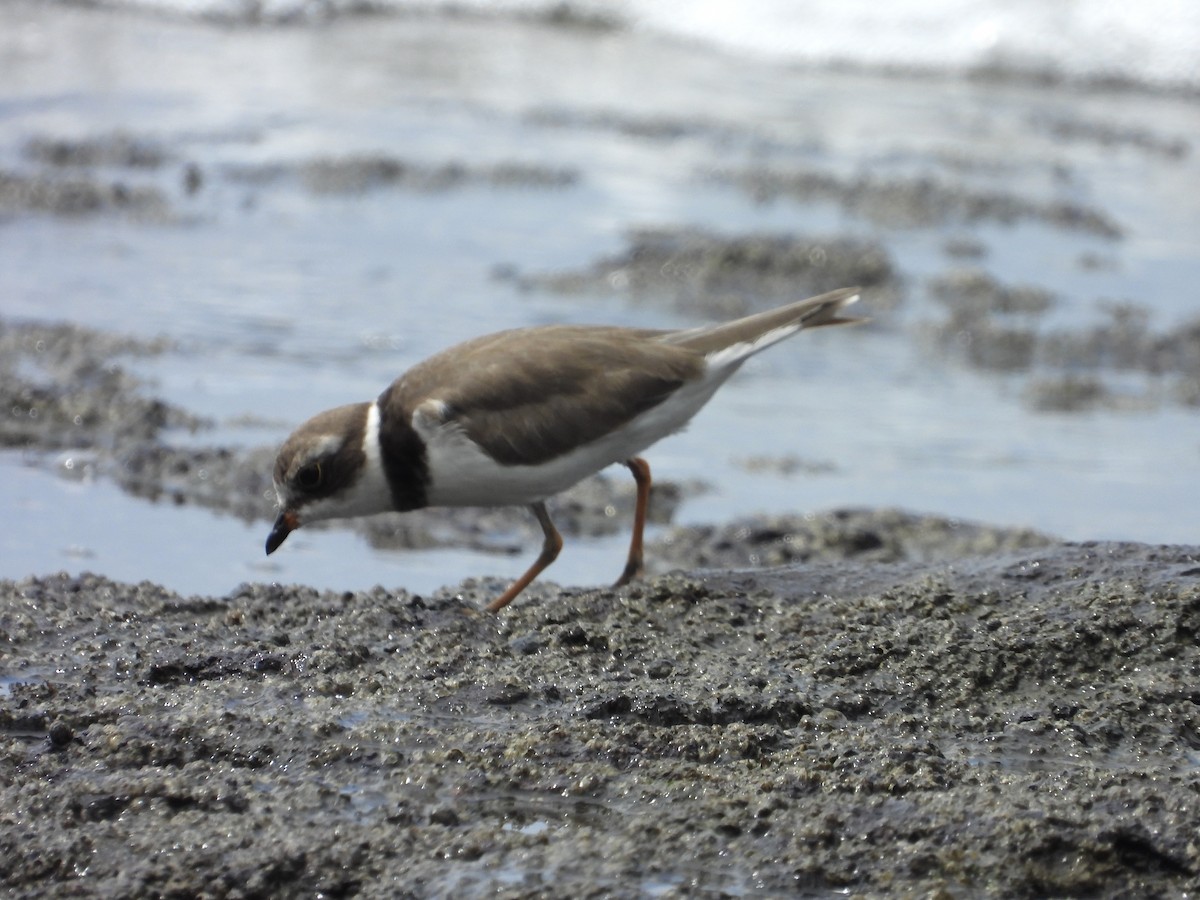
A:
[734, 341]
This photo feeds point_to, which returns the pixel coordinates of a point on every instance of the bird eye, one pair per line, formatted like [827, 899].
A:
[309, 476]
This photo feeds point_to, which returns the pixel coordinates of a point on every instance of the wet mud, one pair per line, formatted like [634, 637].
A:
[357, 174]
[987, 325]
[76, 196]
[1025, 723]
[863, 535]
[153, 178]
[1098, 133]
[997, 327]
[720, 276]
[920, 202]
[864, 701]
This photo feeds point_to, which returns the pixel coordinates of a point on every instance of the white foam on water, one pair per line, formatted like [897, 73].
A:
[1154, 42]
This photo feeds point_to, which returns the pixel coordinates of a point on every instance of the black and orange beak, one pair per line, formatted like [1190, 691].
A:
[287, 522]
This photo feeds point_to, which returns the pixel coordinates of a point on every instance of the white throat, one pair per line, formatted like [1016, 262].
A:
[370, 493]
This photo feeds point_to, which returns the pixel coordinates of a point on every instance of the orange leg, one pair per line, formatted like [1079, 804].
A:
[641, 474]
[550, 548]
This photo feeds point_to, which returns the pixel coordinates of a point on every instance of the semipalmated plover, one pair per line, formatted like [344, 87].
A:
[515, 417]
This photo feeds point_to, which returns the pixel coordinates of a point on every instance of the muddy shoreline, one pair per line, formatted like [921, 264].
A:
[865, 701]
[1023, 723]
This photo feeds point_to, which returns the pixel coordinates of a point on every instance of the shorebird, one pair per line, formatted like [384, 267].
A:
[515, 417]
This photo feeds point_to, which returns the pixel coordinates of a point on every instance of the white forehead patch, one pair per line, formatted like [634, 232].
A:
[324, 445]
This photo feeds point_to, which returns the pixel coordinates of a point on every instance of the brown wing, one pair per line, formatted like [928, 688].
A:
[529, 395]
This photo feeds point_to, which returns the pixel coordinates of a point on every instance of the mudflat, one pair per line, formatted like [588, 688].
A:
[864, 701]
[1025, 722]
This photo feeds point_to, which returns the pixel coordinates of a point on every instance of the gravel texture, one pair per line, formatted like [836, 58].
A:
[1021, 724]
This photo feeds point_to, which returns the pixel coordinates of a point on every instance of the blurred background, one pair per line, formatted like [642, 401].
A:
[247, 212]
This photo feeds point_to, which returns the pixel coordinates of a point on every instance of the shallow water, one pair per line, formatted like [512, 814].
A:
[285, 301]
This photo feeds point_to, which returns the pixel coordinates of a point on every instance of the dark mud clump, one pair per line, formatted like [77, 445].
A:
[79, 195]
[65, 180]
[120, 149]
[1022, 724]
[972, 293]
[992, 325]
[61, 387]
[359, 174]
[1110, 135]
[997, 327]
[67, 400]
[122, 173]
[663, 129]
[920, 202]
[862, 535]
[714, 275]
[786, 465]
[960, 247]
